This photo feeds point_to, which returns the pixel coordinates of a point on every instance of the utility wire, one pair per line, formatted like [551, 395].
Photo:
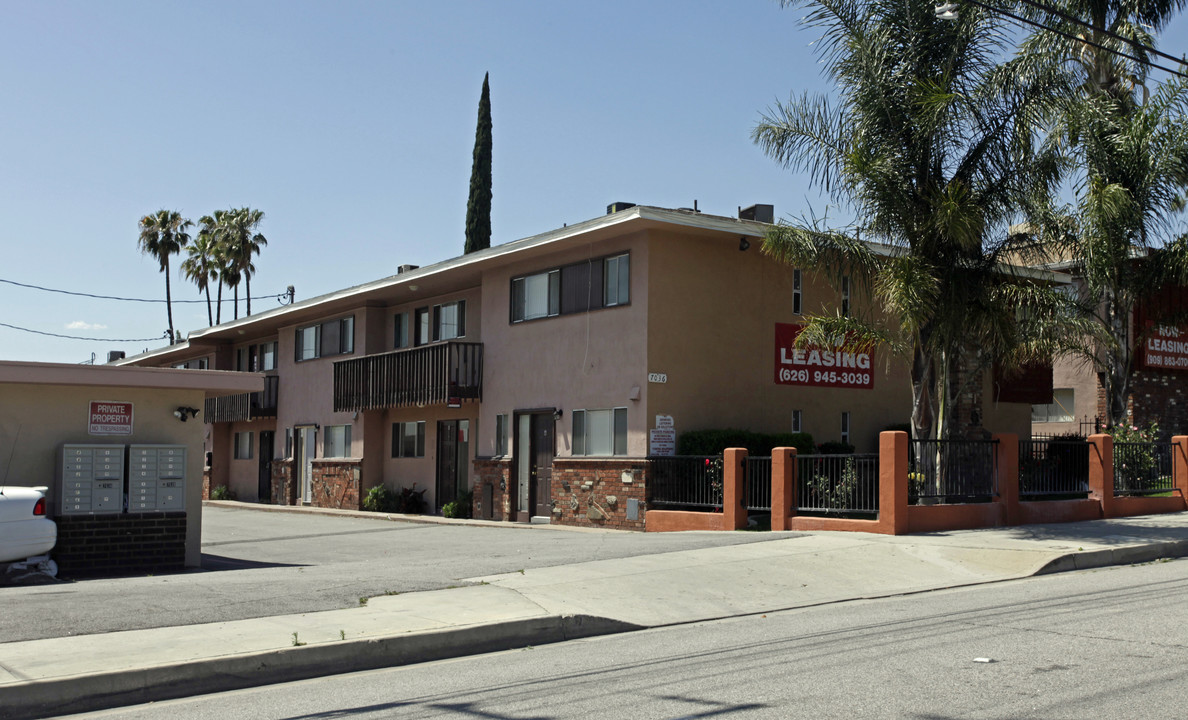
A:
[79, 337]
[1077, 21]
[124, 299]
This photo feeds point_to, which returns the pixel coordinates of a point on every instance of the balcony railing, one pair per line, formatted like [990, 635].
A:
[244, 406]
[434, 374]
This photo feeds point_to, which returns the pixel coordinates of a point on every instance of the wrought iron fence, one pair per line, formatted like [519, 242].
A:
[837, 484]
[1053, 468]
[685, 482]
[1142, 468]
[952, 470]
[758, 483]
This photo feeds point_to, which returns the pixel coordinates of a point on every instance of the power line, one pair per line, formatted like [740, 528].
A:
[1077, 21]
[124, 299]
[78, 337]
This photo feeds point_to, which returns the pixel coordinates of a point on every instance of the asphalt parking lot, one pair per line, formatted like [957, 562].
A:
[258, 564]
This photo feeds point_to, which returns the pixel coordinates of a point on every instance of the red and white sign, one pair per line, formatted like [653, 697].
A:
[110, 418]
[837, 367]
[1166, 349]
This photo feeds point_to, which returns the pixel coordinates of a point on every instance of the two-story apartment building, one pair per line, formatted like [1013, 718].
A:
[543, 372]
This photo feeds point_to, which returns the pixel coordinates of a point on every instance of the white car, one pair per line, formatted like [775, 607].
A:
[25, 530]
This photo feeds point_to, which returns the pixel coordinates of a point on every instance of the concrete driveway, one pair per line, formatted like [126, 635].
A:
[260, 564]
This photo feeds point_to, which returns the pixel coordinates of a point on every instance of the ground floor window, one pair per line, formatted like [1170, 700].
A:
[845, 428]
[796, 421]
[243, 445]
[501, 435]
[338, 441]
[600, 432]
[1061, 409]
[408, 439]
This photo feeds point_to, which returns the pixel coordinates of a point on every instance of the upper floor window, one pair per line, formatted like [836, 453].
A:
[573, 288]
[333, 337]
[449, 320]
[195, 364]
[256, 358]
[400, 333]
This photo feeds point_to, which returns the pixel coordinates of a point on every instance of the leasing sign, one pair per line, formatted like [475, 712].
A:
[837, 367]
[1166, 348]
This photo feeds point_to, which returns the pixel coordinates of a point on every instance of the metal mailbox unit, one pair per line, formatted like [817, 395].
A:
[93, 476]
[92, 479]
[156, 478]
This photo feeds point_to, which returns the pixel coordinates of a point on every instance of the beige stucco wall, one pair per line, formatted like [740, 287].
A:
[1081, 377]
[422, 472]
[589, 360]
[47, 416]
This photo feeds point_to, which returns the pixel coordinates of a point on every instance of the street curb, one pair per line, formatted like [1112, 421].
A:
[76, 694]
[1085, 560]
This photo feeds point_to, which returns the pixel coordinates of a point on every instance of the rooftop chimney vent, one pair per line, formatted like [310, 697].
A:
[758, 213]
[617, 206]
[113, 355]
[406, 268]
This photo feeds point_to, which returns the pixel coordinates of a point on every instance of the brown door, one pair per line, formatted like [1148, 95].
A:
[264, 491]
[542, 463]
[447, 462]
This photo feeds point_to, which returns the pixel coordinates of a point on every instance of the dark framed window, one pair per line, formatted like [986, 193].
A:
[578, 287]
[408, 439]
[333, 337]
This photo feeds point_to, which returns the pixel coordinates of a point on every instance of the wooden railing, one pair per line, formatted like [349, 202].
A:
[437, 374]
[244, 406]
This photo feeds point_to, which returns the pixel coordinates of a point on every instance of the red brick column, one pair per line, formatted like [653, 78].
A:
[1007, 453]
[783, 487]
[1180, 465]
[893, 482]
[734, 472]
[1101, 472]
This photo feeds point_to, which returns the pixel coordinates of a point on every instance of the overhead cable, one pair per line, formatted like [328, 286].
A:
[124, 299]
[79, 337]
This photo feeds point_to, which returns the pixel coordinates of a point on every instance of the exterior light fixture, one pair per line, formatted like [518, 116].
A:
[947, 11]
[743, 244]
[557, 414]
[183, 411]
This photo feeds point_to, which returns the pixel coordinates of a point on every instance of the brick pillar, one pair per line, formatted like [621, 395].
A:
[893, 482]
[734, 472]
[1101, 472]
[1007, 457]
[1179, 465]
[783, 487]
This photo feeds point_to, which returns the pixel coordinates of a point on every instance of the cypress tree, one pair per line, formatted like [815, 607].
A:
[478, 208]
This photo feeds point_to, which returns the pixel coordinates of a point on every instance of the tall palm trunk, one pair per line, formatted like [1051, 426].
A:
[219, 305]
[168, 302]
[247, 288]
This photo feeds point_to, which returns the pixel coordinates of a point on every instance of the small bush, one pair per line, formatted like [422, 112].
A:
[835, 448]
[459, 508]
[713, 442]
[411, 501]
[221, 492]
[380, 499]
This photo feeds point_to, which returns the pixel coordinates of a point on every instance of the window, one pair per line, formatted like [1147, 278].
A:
[421, 326]
[796, 421]
[449, 320]
[501, 435]
[267, 356]
[256, 358]
[536, 296]
[1061, 409]
[408, 439]
[845, 296]
[400, 332]
[616, 274]
[288, 442]
[243, 445]
[845, 427]
[334, 337]
[577, 287]
[337, 441]
[600, 432]
[197, 364]
[797, 301]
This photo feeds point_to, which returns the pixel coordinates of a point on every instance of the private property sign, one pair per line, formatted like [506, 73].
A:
[110, 418]
[836, 367]
[1166, 349]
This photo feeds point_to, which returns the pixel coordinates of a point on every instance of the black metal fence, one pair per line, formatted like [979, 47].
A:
[1053, 469]
[758, 484]
[1143, 468]
[952, 471]
[686, 482]
[837, 484]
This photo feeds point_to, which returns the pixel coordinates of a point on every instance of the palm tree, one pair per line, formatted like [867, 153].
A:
[929, 144]
[1125, 147]
[243, 242]
[216, 227]
[162, 235]
[200, 267]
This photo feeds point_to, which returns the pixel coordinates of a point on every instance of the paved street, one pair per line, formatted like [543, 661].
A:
[1098, 643]
[260, 564]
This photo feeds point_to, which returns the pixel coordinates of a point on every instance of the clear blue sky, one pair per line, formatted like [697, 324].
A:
[351, 125]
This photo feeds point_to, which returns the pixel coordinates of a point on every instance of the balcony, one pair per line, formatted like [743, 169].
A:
[245, 406]
[438, 374]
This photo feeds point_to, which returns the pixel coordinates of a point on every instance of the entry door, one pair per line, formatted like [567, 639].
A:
[447, 462]
[534, 465]
[304, 455]
[264, 493]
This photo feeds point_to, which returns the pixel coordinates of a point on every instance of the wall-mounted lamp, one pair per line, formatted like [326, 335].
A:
[182, 411]
[557, 414]
[743, 244]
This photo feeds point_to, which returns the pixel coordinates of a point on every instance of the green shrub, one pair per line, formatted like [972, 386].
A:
[459, 508]
[411, 501]
[221, 492]
[713, 442]
[835, 448]
[380, 499]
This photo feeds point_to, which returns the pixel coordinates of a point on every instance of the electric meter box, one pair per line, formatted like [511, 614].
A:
[91, 479]
[156, 478]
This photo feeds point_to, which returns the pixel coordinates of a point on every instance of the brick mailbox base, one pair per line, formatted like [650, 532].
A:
[125, 544]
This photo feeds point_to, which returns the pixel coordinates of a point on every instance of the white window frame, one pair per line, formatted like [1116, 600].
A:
[333, 437]
[586, 421]
[242, 452]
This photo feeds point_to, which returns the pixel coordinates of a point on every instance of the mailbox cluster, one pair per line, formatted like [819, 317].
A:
[93, 478]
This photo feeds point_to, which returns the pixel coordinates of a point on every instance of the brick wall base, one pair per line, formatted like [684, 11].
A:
[492, 477]
[284, 484]
[1160, 395]
[595, 493]
[335, 484]
[126, 544]
[206, 484]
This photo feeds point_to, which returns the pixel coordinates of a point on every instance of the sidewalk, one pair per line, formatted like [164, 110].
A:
[533, 607]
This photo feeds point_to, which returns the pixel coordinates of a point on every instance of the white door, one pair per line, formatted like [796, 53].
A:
[306, 449]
